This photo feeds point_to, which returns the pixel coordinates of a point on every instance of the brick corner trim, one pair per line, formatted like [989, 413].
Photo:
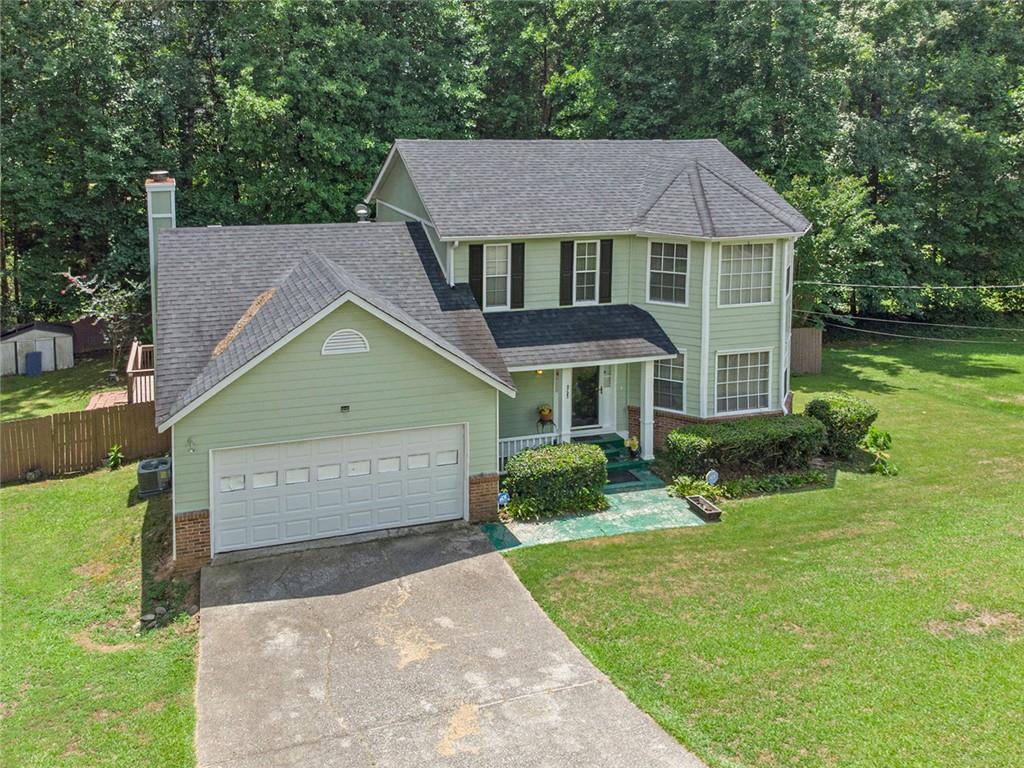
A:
[192, 541]
[483, 498]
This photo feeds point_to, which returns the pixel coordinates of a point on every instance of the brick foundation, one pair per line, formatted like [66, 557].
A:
[665, 422]
[483, 498]
[191, 541]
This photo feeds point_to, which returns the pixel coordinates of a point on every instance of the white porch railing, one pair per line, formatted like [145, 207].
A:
[510, 446]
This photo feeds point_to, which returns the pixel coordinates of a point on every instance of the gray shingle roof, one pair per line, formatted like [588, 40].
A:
[37, 325]
[540, 338]
[690, 188]
[209, 277]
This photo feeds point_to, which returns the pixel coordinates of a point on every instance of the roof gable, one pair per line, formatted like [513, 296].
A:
[229, 296]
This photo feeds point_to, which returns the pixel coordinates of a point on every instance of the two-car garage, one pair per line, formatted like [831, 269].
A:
[279, 493]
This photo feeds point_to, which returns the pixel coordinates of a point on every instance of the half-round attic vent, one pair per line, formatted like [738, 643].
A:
[345, 342]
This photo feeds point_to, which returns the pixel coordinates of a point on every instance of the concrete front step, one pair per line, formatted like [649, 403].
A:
[627, 463]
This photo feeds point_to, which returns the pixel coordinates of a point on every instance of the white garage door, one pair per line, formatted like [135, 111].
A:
[274, 494]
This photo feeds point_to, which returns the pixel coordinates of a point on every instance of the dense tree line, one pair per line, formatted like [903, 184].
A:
[896, 126]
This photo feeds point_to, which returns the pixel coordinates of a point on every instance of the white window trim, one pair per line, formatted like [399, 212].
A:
[686, 379]
[508, 277]
[686, 301]
[718, 287]
[597, 274]
[714, 394]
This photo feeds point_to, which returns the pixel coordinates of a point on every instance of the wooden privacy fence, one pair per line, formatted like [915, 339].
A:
[805, 352]
[74, 442]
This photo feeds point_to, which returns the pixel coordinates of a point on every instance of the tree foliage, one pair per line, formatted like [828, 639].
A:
[897, 126]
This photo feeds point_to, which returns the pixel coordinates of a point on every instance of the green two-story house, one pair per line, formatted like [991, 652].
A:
[324, 380]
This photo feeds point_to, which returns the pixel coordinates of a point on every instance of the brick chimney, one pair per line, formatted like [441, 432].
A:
[160, 215]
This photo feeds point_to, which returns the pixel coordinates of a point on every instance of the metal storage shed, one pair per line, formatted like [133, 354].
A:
[54, 341]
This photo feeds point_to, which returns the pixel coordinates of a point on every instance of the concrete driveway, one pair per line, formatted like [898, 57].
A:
[419, 650]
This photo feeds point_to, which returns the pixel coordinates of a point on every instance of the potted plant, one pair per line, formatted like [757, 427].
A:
[633, 444]
[544, 413]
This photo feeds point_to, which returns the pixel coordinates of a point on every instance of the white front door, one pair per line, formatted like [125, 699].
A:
[284, 492]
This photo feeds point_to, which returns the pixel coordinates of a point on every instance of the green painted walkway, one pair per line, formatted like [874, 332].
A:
[630, 512]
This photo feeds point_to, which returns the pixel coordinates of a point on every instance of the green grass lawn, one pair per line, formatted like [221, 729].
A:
[22, 397]
[879, 622]
[81, 561]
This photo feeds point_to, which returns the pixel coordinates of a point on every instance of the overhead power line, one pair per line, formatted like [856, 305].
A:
[920, 338]
[913, 322]
[916, 287]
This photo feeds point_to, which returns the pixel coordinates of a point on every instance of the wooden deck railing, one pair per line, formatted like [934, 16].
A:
[140, 372]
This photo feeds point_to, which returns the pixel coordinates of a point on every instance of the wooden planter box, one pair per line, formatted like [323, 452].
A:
[704, 509]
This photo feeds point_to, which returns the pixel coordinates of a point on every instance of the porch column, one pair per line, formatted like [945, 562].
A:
[647, 412]
[565, 403]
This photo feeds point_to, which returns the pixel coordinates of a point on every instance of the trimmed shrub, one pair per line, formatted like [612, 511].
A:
[556, 479]
[685, 485]
[747, 445]
[846, 419]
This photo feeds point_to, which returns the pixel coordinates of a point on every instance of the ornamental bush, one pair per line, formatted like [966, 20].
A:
[747, 445]
[749, 485]
[847, 420]
[556, 479]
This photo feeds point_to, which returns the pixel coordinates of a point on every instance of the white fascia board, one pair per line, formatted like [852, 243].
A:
[408, 214]
[563, 235]
[590, 364]
[743, 239]
[621, 233]
[346, 297]
[381, 174]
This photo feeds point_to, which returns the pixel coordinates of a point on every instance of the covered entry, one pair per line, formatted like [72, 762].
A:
[294, 491]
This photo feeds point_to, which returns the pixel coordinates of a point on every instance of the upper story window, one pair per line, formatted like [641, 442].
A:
[667, 266]
[746, 274]
[585, 272]
[670, 383]
[497, 282]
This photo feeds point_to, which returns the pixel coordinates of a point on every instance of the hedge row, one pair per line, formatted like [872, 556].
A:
[749, 445]
[556, 479]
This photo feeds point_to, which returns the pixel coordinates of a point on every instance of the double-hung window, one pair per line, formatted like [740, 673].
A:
[670, 384]
[666, 273]
[497, 282]
[746, 274]
[741, 382]
[585, 272]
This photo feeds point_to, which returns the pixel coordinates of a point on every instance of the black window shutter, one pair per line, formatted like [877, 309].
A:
[518, 273]
[565, 274]
[476, 273]
[605, 293]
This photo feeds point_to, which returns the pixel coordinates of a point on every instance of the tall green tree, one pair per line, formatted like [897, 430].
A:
[897, 125]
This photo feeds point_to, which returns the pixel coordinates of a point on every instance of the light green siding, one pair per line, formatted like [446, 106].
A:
[747, 328]
[541, 259]
[681, 323]
[518, 416]
[398, 189]
[296, 393]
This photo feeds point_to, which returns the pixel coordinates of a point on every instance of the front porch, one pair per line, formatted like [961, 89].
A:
[587, 402]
